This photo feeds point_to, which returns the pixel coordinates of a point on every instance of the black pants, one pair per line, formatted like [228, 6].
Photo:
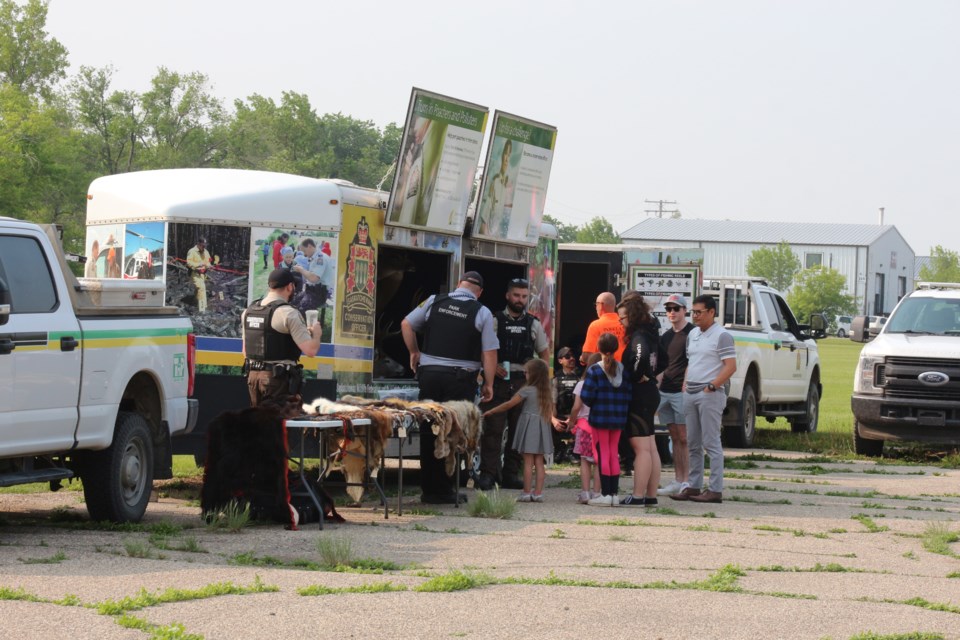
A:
[440, 384]
[493, 428]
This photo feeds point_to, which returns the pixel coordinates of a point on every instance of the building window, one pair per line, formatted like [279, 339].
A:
[880, 283]
[813, 260]
[901, 287]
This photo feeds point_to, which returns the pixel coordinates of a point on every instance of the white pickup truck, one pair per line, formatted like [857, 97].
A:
[94, 376]
[778, 364]
[907, 383]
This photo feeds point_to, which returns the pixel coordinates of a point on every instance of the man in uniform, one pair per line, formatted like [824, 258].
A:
[315, 291]
[458, 341]
[198, 260]
[521, 338]
[274, 335]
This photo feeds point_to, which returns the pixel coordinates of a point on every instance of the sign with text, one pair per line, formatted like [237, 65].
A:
[438, 160]
[656, 283]
[515, 178]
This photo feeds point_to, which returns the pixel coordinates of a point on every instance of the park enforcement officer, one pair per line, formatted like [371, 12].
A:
[458, 341]
[521, 338]
[274, 335]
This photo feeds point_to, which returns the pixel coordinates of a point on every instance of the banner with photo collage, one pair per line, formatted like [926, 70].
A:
[515, 178]
[438, 160]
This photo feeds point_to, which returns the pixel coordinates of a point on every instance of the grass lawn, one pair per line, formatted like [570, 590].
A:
[834, 436]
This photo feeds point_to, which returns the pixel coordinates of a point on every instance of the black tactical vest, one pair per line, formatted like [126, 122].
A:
[263, 342]
[565, 384]
[516, 338]
[451, 329]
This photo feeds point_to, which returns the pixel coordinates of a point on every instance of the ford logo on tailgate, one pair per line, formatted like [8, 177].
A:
[933, 378]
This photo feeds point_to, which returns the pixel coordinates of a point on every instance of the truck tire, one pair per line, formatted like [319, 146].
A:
[841, 333]
[809, 422]
[741, 434]
[865, 447]
[118, 480]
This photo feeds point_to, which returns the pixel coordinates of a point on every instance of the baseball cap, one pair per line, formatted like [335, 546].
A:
[473, 278]
[279, 278]
[564, 352]
[676, 299]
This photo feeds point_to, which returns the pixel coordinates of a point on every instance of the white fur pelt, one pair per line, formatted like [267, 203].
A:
[322, 407]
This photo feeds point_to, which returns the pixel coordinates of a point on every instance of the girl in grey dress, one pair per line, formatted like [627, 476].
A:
[532, 437]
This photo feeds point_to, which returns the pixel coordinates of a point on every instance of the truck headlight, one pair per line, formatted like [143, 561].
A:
[868, 376]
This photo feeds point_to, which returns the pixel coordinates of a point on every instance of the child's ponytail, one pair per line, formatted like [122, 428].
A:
[608, 345]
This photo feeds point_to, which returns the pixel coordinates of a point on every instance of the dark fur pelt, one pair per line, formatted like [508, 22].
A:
[247, 462]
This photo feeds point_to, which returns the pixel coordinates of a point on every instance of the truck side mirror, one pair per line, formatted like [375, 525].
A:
[859, 329]
[818, 325]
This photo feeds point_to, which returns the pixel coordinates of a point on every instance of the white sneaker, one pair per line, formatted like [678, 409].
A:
[614, 501]
[683, 485]
[602, 501]
[584, 497]
[673, 487]
[525, 497]
[537, 497]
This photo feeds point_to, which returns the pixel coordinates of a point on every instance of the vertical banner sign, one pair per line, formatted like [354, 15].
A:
[359, 236]
[515, 178]
[437, 164]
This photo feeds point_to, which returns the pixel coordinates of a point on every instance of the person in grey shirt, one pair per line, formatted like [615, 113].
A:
[458, 341]
[711, 361]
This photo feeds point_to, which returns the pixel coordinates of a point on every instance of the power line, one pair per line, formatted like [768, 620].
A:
[659, 211]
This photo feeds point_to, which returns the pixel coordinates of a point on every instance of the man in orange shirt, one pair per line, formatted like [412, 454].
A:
[607, 322]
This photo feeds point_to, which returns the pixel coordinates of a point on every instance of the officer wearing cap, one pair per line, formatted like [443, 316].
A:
[274, 335]
[521, 338]
[458, 342]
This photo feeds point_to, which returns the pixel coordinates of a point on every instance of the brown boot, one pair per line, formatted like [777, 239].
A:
[686, 494]
[708, 496]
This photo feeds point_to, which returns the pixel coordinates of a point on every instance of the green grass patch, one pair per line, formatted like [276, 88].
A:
[621, 522]
[912, 635]
[375, 587]
[56, 558]
[492, 504]
[830, 567]
[233, 517]
[938, 537]
[454, 581]
[146, 599]
[868, 522]
[559, 534]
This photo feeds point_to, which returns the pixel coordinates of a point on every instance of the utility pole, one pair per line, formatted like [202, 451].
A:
[659, 211]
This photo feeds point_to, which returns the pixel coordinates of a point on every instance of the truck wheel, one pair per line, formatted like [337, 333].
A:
[864, 447]
[117, 481]
[808, 423]
[741, 434]
[841, 333]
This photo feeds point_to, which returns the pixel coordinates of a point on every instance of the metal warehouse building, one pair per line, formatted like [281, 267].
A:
[875, 259]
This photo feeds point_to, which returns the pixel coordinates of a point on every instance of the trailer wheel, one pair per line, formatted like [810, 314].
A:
[864, 446]
[117, 481]
[741, 434]
[809, 422]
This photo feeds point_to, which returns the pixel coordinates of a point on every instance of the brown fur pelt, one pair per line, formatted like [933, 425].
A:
[350, 442]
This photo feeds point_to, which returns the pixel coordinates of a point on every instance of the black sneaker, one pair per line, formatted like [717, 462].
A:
[650, 502]
[631, 500]
[485, 483]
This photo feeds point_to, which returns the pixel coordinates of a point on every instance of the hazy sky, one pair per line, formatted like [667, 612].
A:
[809, 110]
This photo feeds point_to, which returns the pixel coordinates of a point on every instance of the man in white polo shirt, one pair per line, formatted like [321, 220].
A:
[711, 360]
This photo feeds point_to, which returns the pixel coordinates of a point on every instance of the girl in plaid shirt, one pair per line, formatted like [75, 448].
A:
[606, 390]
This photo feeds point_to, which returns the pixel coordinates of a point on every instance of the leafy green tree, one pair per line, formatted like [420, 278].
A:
[777, 264]
[598, 231]
[944, 266]
[566, 232]
[820, 289]
[183, 122]
[112, 120]
[30, 60]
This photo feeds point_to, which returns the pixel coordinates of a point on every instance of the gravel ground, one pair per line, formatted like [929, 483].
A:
[797, 550]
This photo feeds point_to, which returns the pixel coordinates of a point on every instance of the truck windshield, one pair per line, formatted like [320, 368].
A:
[928, 316]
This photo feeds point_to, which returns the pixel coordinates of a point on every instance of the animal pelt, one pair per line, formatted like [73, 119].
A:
[247, 462]
[350, 442]
[468, 417]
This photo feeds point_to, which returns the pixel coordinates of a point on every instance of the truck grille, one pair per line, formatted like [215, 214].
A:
[899, 378]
